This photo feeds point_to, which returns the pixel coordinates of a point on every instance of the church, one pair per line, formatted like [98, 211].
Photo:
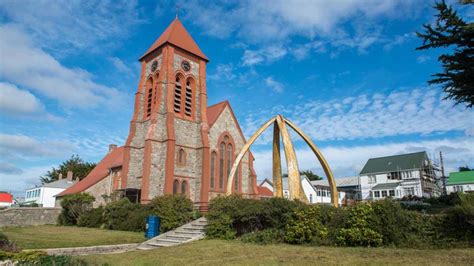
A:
[177, 144]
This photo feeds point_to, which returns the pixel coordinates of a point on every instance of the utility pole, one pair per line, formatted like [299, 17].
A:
[443, 177]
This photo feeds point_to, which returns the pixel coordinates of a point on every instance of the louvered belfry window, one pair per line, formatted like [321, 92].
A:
[188, 99]
[177, 95]
[149, 97]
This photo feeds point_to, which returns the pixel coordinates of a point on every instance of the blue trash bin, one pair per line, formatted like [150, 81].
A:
[152, 226]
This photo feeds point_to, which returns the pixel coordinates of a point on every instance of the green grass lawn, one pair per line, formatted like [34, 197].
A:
[217, 252]
[50, 236]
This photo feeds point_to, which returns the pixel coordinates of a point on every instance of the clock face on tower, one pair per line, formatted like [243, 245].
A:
[154, 65]
[185, 65]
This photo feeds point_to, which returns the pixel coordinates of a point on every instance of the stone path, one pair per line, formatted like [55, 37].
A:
[192, 231]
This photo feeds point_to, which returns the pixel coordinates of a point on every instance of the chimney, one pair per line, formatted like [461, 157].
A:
[60, 176]
[69, 175]
[112, 147]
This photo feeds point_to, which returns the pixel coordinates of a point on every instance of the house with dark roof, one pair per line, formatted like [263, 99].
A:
[347, 188]
[460, 182]
[177, 143]
[45, 195]
[397, 176]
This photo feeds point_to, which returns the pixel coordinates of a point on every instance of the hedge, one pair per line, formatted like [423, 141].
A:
[380, 223]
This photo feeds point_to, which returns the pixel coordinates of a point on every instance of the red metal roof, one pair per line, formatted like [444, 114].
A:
[6, 197]
[177, 35]
[264, 191]
[112, 159]
[214, 111]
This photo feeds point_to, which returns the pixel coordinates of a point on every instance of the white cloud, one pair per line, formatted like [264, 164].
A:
[17, 183]
[20, 146]
[18, 102]
[422, 58]
[33, 68]
[223, 72]
[274, 85]
[9, 168]
[267, 55]
[418, 111]
[121, 66]
[349, 160]
[74, 25]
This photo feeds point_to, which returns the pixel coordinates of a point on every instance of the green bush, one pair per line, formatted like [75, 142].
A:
[233, 216]
[73, 207]
[458, 221]
[356, 230]
[267, 236]
[173, 210]
[306, 227]
[39, 258]
[126, 216]
[92, 218]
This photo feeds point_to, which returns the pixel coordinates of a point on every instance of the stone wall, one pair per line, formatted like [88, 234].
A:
[28, 216]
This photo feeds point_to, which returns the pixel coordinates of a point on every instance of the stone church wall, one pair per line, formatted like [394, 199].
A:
[226, 123]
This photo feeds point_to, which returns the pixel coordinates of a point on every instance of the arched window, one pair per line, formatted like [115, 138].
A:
[213, 169]
[177, 95]
[175, 187]
[184, 188]
[149, 89]
[236, 180]
[188, 98]
[221, 165]
[157, 76]
[229, 158]
[181, 157]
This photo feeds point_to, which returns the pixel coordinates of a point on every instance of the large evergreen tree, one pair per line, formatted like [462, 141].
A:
[310, 175]
[75, 164]
[451, 31]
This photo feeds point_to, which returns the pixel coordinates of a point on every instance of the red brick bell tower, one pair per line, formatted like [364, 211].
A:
[167, 149]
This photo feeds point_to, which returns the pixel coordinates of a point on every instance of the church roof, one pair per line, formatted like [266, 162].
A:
[178, 36]
[214, 111]
[112, 159]
[264, 191]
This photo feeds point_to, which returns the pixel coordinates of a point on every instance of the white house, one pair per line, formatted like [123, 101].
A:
[347, 188]
[309, 190]
[398, 176]
[460, 182]
[44, 195]
[267, 183]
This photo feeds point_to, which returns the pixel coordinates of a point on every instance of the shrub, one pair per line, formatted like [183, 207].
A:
[356, 230]
[92, 218]
[124, 215]
[458, 221]
[173, 210]
[266, 236]
[306, 227]
[233, 216]
[73, 207]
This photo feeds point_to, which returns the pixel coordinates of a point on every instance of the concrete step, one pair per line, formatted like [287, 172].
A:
[178, 237]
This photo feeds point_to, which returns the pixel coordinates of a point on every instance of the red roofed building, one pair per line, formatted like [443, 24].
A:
[6, 199]
[264, 192]
[177, 144]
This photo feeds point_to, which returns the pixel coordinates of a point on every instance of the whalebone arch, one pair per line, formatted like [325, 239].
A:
[294, 180]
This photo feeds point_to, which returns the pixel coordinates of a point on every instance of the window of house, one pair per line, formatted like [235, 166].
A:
[184, 188]
[384, 193]
[230, 156]
[376, 194]
[213, 168]
[458, 189]
[409, 191]
[310, 198]
[391, 193]
[318, 192]
[175, 187]
[188, 98]
[177, 95]
[372, 179]
[221, 165]
[286, 194]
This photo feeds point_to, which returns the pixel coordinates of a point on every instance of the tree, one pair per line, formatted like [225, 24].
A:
[75, 164]
[451, 31]
[464, 168]
[310, 175]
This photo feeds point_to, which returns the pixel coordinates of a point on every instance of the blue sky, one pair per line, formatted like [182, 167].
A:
[346, 72]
